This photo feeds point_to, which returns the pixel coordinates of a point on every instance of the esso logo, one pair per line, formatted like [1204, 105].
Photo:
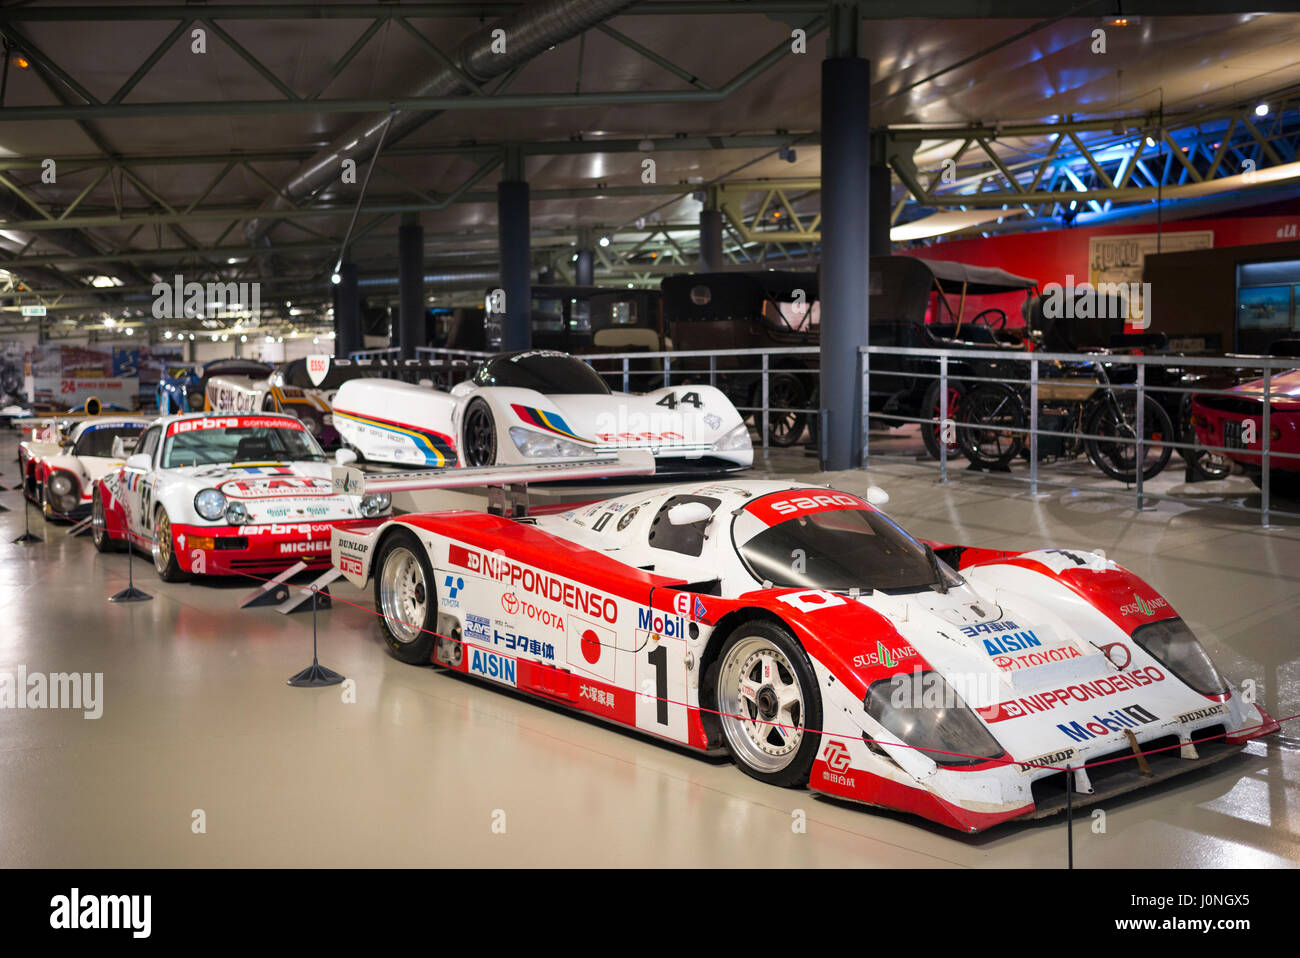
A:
[317, 364]
[682, 604]
[788, 507]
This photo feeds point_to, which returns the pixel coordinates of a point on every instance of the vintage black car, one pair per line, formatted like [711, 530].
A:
[914, 303]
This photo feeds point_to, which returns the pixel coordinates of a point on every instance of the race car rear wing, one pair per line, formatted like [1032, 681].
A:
[350, 480]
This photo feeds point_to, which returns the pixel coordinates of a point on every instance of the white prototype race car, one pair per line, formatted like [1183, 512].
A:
[221, 494]
[534, 405]
[65, 457]
[802, 631]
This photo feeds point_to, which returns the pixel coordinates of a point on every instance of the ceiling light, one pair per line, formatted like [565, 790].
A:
[1261, 110]
[130, 331]
[1150, 142]
[604, 241]
[21, 62]
[335, 278]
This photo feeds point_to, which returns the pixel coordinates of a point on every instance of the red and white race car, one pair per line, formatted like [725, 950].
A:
[227, 494]
[805, 633]
[64, 458]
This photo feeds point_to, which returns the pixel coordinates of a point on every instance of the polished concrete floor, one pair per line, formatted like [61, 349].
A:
[424, 769]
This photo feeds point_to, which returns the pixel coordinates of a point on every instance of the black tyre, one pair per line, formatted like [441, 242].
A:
[164, 550]
[480, 434]
[930, 409]
[990, 429]
[1116, 453]
[783, 392]
[769, 703]
[99, 527]
[407, 597]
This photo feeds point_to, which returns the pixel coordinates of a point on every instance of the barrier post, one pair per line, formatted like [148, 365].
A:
[765, 401]
[1266, 427]
[625, 375]
[315, 675]
[1033, 425]
[1139, 445]
[864, 373]
[943, 418]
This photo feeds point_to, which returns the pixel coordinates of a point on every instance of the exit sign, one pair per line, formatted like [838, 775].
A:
[33, 310]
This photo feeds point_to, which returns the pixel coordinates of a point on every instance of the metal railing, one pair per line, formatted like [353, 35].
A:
[747, 376]
[1245, 368]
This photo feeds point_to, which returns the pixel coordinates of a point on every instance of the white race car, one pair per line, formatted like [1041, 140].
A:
[226, 494]
[64, 458]
[801, 630]
[526, 406]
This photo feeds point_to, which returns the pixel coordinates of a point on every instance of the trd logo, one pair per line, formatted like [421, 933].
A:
[837, 757]
[453, 586]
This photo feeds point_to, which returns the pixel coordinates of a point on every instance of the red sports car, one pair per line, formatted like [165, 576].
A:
[1236, 422]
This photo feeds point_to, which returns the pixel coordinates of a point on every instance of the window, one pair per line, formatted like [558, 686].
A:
[687, 539]
[98, 440]
[543, 372]
[149, 441]
[205, 447]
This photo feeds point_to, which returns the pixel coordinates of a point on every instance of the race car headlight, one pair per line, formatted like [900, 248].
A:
[1172, 644]
[210, 504]
[374, 503]
[538, 445]
[64, 491]
[237, 514]
[735, 441]
[926, 713]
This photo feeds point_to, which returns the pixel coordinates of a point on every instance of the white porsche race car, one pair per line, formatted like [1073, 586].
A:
[65, 457]
[802, 631]
[526, 406]
[226, 494]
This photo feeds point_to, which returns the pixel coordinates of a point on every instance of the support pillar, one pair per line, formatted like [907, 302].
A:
[410, 326]
[348, 336]
[584, 268]
[513, 235]
[845, 285]
[710, 240]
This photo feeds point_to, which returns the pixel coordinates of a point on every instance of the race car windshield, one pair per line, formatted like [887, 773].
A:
[99, 441]
[553, 373]
[240, 444]
[837, 551]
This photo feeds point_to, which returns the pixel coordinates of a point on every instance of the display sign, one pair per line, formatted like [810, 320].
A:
[66, 376]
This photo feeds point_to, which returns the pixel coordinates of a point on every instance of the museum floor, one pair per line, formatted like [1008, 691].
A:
[429, 770]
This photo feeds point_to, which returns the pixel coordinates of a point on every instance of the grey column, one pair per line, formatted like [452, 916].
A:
[513, 243]
[845, 287]
[348, 336]
[584, 269]
[410, 324]
[710, 241]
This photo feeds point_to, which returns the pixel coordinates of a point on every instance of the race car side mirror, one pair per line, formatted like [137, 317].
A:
[877, 496]
[689, 513]
[345, 457]
[141, 461]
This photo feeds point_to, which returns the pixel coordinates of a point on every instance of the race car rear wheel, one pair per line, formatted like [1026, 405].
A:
[770, 707]
[407, 598]
[164, 550]
[99, 527]
[480, 434]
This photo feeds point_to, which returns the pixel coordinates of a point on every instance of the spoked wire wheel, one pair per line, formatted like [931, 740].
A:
[1116, 453]
[990, 431]
[769, 703]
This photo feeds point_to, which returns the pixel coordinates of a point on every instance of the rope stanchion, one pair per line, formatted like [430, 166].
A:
[315, 675]
[130, 593]
[27, 537]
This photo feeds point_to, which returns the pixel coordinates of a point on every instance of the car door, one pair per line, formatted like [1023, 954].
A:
[137, 484]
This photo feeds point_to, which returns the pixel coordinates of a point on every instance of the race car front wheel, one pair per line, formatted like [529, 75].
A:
[480, 435]
[99, 527]
[770, 707]
[164, 550]
[406, 597]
